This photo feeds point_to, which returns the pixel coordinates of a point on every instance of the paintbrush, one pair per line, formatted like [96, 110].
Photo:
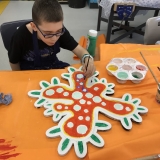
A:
[150, 70]
[87, 67]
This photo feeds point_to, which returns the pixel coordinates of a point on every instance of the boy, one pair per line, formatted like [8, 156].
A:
[35, 44]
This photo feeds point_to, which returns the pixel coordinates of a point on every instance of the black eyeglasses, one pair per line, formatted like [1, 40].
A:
[51, 35]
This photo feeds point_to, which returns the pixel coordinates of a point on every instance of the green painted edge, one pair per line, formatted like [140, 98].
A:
[126, 98]
[57, 115]
[66, 75]
[55, 81]
[99, 124]
[142, 109]
[126, 121]
[72, 70]
[36, 93]
[55, 131]
[135, 116]
[135, 101]
[45, 84]
[95, 73]
[95, 138]
[80, 147]
[40, 101]
[65, 144]
[49, 111]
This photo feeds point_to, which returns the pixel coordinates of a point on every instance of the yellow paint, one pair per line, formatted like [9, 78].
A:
[112, 68]
[3, 5]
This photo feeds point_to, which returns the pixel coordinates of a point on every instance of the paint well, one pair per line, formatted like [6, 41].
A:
[112, 67]
[127, 67]
[141, 68]
[130, 61]
[117, 60]
[122, 75]
[137, 75]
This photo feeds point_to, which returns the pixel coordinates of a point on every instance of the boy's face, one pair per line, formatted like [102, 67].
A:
[47, 29]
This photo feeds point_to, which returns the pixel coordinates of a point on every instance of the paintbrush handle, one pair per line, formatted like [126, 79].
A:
[152, 157]
[87, 66]
[87, 63]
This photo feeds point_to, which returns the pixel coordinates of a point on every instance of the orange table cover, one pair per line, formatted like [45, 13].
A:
[23, 127]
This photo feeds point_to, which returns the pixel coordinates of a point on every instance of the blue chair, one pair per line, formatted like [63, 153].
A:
[7, 30]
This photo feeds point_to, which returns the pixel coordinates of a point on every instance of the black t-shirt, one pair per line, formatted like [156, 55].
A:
[22, 50]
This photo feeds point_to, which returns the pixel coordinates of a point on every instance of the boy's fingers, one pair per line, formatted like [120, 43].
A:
[83, 68]
[90, 71]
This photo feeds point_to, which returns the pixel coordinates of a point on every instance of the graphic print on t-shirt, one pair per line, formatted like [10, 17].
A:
[30, 55]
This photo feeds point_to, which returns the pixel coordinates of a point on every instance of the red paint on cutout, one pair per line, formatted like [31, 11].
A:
[79, 116]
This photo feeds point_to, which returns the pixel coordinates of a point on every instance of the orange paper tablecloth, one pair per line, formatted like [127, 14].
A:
[23, 126]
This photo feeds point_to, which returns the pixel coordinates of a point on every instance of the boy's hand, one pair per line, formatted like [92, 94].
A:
[88, 71]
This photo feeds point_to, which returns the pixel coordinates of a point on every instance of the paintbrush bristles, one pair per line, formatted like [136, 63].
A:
[150, 70]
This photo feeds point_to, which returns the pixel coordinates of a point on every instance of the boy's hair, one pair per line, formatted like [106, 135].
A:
[47, 11]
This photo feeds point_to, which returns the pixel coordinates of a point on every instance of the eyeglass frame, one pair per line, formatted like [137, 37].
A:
[55, 34]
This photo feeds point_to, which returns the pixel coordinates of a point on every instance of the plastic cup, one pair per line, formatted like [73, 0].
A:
[121, 81]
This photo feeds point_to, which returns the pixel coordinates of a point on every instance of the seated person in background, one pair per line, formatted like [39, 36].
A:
[35, 45]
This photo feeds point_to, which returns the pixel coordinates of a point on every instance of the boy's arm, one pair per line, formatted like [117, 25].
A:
[15, 67]
[80, 51]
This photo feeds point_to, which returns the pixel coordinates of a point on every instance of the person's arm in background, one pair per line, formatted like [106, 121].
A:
[79, 52]
[15, 67]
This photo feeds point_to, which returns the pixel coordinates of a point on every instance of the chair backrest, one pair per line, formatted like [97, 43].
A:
[152, 31]
[7, 30]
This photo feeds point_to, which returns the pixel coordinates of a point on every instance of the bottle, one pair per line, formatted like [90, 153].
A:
[91, 42]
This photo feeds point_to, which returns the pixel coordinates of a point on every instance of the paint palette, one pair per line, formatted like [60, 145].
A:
[127, 69]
